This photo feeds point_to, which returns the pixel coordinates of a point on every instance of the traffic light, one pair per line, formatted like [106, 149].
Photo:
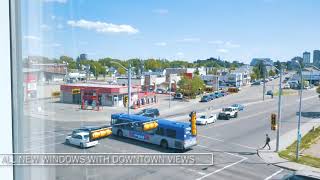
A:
[273, 121]
[125, 100]
[193, 123]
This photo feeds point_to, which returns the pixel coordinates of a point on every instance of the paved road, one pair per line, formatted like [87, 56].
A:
[232, 142]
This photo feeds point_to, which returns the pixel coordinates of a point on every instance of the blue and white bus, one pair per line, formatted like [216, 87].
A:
[167, 134]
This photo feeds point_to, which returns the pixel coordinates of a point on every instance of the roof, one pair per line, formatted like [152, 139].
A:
[82, 133]
[161, 122]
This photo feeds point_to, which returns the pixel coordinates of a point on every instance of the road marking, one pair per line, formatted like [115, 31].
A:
[221, 169]
[193, 170]
[303, 99]
[274, 174]
[41, 147]
[221, 140]
[32, 140]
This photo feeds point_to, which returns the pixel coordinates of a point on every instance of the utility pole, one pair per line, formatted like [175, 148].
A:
[129, 87]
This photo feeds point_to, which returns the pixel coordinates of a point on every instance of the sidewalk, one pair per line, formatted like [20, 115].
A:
[271, 157]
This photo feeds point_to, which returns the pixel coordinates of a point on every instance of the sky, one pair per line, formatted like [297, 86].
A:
[172, 29]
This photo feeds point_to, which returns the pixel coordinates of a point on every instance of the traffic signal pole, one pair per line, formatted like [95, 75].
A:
[129, 87]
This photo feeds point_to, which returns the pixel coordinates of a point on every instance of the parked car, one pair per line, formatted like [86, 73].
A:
[269, 92]
[149, 112]
[218, 94]
[227, 113]
[204, 120]
[256, 83]
[238, 106]
[205, 98]
[81, 139]
[224, 93]
[160, 91]
[178, 96]
[286, 86]
[212, 96]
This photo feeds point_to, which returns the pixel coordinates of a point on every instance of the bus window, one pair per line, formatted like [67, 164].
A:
[171, 133]
[160, 131]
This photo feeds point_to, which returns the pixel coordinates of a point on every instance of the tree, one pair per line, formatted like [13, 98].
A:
[121, 70]
[318, 89]
[196, 72]
[272, 73]
[191, 87]
[253, 76]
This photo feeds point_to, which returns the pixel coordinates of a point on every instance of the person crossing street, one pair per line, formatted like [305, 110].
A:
[267, 142]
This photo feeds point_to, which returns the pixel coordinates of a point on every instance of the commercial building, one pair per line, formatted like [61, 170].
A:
[316, 58]
[211, 81]
[107, 95]
[306, 57]
[310, 74]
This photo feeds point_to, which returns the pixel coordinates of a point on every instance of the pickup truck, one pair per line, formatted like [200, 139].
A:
[227, 113]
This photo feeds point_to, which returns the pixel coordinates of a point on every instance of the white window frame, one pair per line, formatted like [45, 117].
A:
[6, 130]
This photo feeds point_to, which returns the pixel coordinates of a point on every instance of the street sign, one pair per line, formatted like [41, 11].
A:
[76, 91]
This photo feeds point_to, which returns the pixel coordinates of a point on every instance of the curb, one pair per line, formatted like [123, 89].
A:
[272, 157]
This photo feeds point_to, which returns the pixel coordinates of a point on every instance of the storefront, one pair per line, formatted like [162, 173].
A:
[104, 95]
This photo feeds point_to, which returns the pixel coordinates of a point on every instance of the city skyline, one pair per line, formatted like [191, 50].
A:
[172, 30]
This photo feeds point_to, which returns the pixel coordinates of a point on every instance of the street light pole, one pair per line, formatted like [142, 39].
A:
[264, 82]
[299, 119]
[129, 82]
[279, 111]
[169, 90]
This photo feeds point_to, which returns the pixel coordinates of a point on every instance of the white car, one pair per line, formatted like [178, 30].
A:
[80, 139]
[286, 86]
[206, 119]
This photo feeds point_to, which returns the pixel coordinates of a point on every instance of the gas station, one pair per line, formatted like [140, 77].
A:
[96, 95]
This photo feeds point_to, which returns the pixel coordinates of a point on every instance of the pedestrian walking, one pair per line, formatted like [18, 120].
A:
[267, 142]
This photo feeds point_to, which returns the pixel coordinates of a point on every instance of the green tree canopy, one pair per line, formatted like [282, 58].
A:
[191, 87]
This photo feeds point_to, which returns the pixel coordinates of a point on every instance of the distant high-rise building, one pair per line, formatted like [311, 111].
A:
[82, 57]
[316, 58]
[255, 61]
[306, 57]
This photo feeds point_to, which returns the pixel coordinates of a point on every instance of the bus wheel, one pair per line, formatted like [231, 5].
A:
[164, 144]
[120, 133]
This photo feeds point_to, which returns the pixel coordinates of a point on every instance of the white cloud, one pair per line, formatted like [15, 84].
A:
[160, 44]
[30, 37]
[187, 40]
[180, 54]
[103, 27]
[215, 42]
[45, 27]
[57, 1]
[53, 17]
[222, 50]
[228, 44]
[55, 45]
[161, 11]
